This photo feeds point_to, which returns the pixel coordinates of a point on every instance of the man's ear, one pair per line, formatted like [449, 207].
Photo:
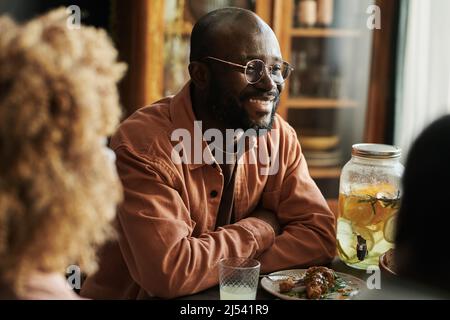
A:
[200, 75]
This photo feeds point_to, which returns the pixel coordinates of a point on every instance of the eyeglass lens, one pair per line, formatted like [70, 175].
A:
[256, 68]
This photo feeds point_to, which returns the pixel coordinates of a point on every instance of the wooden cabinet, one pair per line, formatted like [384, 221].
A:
[340, 82]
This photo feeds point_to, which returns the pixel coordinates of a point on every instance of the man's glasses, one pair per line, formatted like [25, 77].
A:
[254, 70]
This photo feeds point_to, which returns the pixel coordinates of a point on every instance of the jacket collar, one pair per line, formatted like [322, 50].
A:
[183, 117]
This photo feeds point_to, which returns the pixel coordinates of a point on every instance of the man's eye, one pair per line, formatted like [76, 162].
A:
[251, 68]
[252, 71]
[276, 68]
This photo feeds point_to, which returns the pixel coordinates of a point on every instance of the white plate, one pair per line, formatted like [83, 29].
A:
[355, 284]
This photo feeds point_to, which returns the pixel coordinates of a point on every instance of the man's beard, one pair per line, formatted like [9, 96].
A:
[226, 109]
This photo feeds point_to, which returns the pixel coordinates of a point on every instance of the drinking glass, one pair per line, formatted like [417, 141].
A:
[239, 278]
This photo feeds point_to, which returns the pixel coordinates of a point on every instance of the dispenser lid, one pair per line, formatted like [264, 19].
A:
[376, 151]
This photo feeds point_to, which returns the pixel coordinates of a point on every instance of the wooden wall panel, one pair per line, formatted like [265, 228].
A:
[138, 32]
[382, 77]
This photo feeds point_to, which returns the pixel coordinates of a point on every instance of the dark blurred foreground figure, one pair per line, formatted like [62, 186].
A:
[58, 184]
[423, 226]
[421, 253]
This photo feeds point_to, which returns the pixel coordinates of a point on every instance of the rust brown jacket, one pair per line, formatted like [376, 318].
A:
[168, 245]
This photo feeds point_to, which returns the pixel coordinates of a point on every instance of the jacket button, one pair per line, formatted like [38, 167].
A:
[213, 194]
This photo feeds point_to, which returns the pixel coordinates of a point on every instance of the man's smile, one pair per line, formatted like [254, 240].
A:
[259, 106]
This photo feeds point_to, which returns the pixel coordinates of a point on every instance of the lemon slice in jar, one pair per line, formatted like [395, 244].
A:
[346, 240]
[358, 210]
[389, 229]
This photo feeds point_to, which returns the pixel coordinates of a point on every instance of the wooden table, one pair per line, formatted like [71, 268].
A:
[337, 265]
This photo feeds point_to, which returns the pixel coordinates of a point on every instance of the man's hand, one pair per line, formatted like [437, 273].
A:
[269, 217]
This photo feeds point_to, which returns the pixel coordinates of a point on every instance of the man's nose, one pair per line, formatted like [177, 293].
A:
[266, 83]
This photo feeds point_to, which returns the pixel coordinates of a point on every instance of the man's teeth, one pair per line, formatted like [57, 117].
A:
[262, 102]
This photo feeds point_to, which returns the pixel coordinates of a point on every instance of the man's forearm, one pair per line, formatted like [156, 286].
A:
[269, 217]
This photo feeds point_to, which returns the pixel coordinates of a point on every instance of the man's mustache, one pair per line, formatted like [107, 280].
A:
[266, 95]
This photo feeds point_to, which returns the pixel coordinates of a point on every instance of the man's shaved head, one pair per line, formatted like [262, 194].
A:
[214, 26]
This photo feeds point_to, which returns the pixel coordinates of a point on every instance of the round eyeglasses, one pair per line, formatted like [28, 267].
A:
[255, 69]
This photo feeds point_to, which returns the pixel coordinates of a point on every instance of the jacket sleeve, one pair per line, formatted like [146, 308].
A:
[308, 236]
[156, 232]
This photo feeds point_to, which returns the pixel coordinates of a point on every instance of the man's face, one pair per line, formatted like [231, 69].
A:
[235, 102]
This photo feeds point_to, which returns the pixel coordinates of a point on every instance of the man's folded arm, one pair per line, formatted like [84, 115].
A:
[308, 236]
[156, 237]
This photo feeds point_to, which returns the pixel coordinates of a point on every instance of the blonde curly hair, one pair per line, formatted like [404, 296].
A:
[58, 102]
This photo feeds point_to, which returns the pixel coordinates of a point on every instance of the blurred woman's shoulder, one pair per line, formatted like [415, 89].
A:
[41, 286]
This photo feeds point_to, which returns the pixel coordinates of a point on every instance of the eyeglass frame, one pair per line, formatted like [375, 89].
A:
[268, 69]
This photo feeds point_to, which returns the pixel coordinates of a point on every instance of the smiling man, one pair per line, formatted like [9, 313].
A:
[179, 218]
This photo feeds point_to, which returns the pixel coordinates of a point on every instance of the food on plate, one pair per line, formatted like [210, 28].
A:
[318, 280]
[316, 283]
[287, 285]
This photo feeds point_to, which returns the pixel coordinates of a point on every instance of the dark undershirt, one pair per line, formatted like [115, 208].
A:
[225, 214]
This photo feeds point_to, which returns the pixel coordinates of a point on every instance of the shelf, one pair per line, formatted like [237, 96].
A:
[323, 33]
[183, 30]
[325, 173]
[311, 103]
